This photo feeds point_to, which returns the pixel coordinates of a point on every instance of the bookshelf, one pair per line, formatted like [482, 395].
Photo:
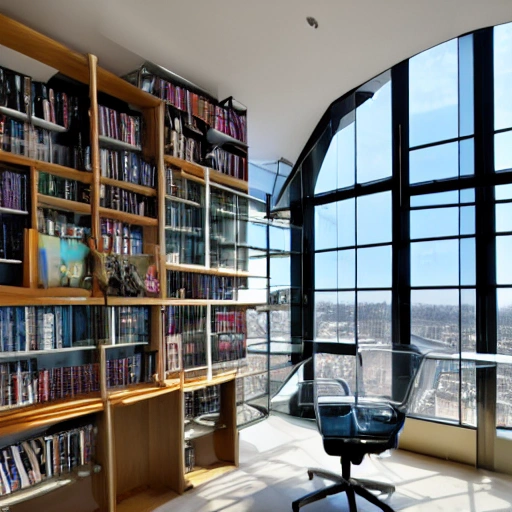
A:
[101, 179]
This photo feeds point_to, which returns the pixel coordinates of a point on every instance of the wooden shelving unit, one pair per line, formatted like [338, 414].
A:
[140, 428]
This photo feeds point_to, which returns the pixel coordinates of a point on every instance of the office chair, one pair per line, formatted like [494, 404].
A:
[361, 412]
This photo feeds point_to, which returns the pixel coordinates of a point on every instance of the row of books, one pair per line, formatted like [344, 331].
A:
[11, 243]
[117, 198]
[61, 224]
[72, 190]
[13, 190]
[35, 460]
[50, 105]
[230, 164]
[202, 401]
[182, 188]
[190, 457]
[193, 349]
[190, 285]
[120, 126]
[120, 237]
[180, 146]
[184, 217]
[184, 247]
[125, 371]
[228, 347]
[127, 166]
[15, 90]
[22, 139]
[129, 324]
[26, 328]
[22, 383]
[227, 319]
[230, 122]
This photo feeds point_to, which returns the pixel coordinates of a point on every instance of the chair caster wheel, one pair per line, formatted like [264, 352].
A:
[310, 475]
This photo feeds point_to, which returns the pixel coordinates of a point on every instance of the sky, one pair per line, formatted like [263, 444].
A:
[361, 152]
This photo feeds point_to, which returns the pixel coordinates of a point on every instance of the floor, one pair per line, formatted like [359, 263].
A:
[274, 455]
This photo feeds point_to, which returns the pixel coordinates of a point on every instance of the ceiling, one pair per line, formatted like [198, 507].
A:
[263, 52]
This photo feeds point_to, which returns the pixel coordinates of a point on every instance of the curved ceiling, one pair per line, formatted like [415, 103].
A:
[263, 52]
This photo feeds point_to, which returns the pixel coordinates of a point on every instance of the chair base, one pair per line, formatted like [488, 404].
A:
[351, 486]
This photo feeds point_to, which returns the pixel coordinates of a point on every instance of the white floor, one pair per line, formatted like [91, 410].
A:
[274, 456]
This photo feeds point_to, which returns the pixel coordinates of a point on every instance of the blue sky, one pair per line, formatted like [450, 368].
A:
[361, 152]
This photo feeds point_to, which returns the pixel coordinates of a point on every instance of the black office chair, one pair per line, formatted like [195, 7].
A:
[360, 412]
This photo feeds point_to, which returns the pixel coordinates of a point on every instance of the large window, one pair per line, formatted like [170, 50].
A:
[411, 212]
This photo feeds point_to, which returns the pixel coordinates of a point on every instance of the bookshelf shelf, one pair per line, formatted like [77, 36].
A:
[190, 167]
[118, 345]
[64, 172]
[133, 301]
[63, 204]
[184, 201]
[31, 353]
[228, 181]
[10, 262]
[39, 415]
[137, 393]
[40, 123]
[132, 187]
[12, 211]
[146, 500]
[129, 218]
[211, 271]
[201, 475]
[110, 142]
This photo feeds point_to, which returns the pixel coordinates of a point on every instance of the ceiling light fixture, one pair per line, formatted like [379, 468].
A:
[312, 22]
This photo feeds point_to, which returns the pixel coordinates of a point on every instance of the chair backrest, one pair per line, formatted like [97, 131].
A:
[364, 396]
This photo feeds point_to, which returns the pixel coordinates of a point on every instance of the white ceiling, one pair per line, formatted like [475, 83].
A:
[262, 52]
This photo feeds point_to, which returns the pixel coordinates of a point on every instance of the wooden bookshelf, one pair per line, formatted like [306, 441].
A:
[132, 187]
[140, 440]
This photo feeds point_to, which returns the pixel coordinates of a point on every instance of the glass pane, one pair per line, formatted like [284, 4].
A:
[467, 220]
[373, 127]
[502, 76]
[436, 391]
[346, 222]
[467, 262]
[325, 227]
[504, 307]
[374, 267]
[503, 217]
[374, 317]
[438, 198]
[467, 157]
[435, 316]
[467, 195]
[325, 270]
[433, 95]
[503, 151]
[326, 318]
[279, 239]
[434, 222]
[374, 218]
[435, 263]
[504, 397]
[346, 269]
[468, 320]
[346, 317]
[346, 155]
[468, 394]
[334, 366]
[326, 180]
[503, 263]
[503, 192]
[434, 163]
[466, 124]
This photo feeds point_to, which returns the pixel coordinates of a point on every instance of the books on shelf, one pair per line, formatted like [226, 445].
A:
[23, 383]
[37, 459]
[50, 105]
[117, 198]
[62, 224]
[72, 190]
[120, 126]
[13, 190]
[202, 401]
[231, 122]
[27, 328]
[191, 285]
[120, 237]
[229, 334]
[127, 166]
[228, 163]
[127, 371]
[129, 324]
